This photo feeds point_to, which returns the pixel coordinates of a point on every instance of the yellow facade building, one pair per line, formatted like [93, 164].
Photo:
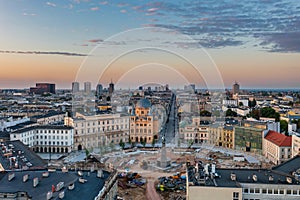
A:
[143, 125]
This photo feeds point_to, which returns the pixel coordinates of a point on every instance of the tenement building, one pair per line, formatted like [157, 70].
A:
[143, 124]
[94, 131]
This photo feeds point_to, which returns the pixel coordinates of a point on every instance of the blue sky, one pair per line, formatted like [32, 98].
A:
[267, 29]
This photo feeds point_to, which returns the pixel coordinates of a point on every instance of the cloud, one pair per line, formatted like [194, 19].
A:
[103, 2]
[122, 4]
[29, 14]
[152, 9]
[276, 24]
[123, 11]
[44, 53]
[51, 4]
[281, 42]
[95, 40]
[94, 8]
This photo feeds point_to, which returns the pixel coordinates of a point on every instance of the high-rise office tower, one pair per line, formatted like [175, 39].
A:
[111, 88]
[87, 87]
[75, 87]
[235, 88]
[99, 90]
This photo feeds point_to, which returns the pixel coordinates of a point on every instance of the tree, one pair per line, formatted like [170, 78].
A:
[252, 104]
[143, 141]
[230, 113]
[191, 142]
[205, 113]
[270, 113]
[241, 104]
[153, 142]
[296, 121]
[255, 114]
[122, 144]
[284, 127]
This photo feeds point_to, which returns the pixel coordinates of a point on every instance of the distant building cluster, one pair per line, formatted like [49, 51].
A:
[42, 88]
[52, 122]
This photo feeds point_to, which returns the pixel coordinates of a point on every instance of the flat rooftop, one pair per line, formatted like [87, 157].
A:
[21, 155]
[87, 190]
[279, 175]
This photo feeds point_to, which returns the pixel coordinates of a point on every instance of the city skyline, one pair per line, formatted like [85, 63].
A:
[255, 43]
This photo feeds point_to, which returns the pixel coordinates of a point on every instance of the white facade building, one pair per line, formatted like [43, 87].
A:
[295, 145]
[44, 139]
[277, 147]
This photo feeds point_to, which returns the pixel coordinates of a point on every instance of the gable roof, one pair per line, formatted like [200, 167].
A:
[279, 139]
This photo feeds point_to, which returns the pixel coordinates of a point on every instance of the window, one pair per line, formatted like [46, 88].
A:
[246, 190]
[281, 191]
[257, 191]
[289, 192]
[294, 192]
[275, 191]
[235, 196]
[264, 191]
[270, 191]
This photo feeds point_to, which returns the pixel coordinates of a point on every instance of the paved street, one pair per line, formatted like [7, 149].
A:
[171, 125]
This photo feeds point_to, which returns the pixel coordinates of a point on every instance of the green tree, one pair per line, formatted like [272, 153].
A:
[143, 141]
[191, 142]
[153, 142]
[252, 104]
[122, 144]
[284, 127]
[231, 113]
[255, 114]
[241, 104]
[270, 113]
[205, 113]
[296, 121]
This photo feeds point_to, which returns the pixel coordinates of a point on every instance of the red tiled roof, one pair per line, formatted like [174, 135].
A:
[279, 139]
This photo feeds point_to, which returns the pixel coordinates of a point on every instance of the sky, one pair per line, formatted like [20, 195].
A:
[253, 42]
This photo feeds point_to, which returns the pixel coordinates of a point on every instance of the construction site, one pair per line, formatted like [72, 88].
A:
[141, 177]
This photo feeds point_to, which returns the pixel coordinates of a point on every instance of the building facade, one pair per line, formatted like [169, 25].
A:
[49, 118]
[222, 136]
[205, 182]
[41, 88]
[87, 87]
[94, 131]
[45, 139]
[235, 88]
[248, 139]
[277, 147]
[295, 145]
[195, 133]
[75, 87]
[143, 124]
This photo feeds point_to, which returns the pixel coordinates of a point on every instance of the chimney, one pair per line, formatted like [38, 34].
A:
[11, 176]
[254, 177]
[45, 174]
[25, 178]
[100, 173]
[49, 195]
[233, 176]
[271, 178]
[71, 186]
[35, 181]
[289, 180]
[61, 195]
